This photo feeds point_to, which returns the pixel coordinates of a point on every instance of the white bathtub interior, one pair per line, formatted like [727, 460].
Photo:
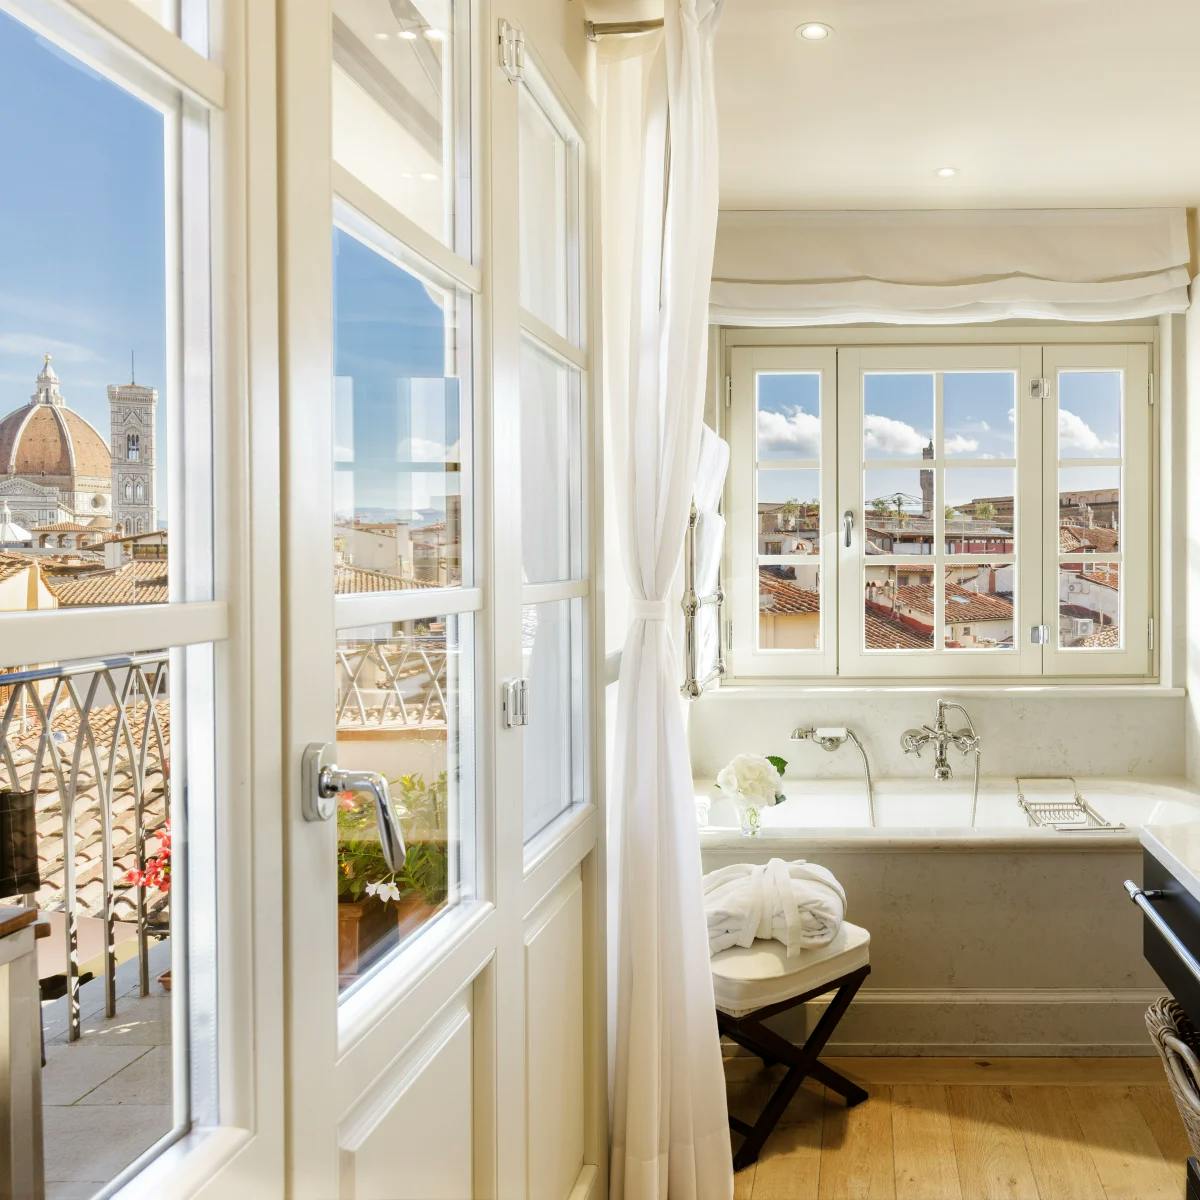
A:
[920, 805]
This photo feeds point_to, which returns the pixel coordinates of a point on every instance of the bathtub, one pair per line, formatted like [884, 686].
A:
[992, 938]
[919, 810]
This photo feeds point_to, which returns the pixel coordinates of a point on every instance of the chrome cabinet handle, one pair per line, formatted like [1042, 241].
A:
[321, 782]
[848, 525]
[1142, 899]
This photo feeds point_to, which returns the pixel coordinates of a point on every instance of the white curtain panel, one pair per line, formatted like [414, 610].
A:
[827, 268]
[670, 1136]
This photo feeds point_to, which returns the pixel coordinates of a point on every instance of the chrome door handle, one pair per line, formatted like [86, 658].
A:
[848, 525]
[321, 782]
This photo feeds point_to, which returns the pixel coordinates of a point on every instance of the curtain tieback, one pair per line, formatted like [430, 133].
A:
[649, 610]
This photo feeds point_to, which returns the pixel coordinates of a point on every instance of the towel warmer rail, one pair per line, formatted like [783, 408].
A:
[694, 682]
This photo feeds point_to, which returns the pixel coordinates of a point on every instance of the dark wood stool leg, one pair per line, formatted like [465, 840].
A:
[749, 1032]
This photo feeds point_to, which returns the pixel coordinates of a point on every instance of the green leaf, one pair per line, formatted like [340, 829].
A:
[780, 764]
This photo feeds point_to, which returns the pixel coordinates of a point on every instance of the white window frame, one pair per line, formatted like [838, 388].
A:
[573, 351]
[221, 243]
[1036, 354]
[747, 363]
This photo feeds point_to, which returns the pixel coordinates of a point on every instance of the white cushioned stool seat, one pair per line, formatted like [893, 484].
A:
[746, 978]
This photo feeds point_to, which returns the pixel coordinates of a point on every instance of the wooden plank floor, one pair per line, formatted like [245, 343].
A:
[969, 1129]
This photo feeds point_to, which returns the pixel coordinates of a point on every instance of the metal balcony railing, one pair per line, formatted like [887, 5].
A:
[395, 682]
[92, 742]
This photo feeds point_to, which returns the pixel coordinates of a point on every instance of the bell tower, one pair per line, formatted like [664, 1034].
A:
[927, 484]
[132, 418]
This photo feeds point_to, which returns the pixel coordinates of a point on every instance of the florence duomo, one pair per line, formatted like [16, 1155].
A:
[57, 470]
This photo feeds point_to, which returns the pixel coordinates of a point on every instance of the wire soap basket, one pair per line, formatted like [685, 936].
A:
[1057, 812]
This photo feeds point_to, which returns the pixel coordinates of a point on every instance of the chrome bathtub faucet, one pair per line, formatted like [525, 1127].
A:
[834, 738]
[941, 736]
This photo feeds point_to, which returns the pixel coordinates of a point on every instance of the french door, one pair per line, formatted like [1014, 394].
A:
[444, 994]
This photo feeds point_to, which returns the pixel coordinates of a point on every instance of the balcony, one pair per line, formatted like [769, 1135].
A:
[91, 744]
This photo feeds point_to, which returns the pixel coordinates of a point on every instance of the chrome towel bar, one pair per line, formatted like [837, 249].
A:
[1142, 897]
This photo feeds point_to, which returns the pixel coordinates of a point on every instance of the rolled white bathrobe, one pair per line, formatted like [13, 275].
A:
[797, 903]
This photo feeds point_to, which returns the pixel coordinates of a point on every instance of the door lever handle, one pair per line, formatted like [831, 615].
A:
[322, 781]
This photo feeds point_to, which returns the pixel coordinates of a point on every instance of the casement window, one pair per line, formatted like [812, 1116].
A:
[913, 511]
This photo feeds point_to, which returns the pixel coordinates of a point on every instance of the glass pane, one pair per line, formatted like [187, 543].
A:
[979, 606]
[897, 415]
[544, 161]
[551, 498]
[1089, 509]
[979, 412]
[898, 608]
[393, 107]
[1089, 605]
[83, 435]
[398, 516]
[403, 700]
[789, 606]
[979, 510]
[898, 510]
[789, 415]
[551, 660]
[789, 512]
[1089, 414]
[94, 833]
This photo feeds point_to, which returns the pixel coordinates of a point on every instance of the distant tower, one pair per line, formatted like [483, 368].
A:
[926, 484]
[132, 411]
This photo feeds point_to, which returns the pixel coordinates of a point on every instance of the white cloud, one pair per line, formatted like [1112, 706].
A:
[1012, 416]
[1074, 433]
[957, 444]
[427, 450]
[796, 434]
[36, 344]
[886, 436]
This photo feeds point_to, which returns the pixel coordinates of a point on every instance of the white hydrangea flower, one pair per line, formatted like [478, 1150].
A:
[751, 777]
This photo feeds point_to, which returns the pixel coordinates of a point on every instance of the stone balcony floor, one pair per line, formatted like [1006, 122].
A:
[106, 1098]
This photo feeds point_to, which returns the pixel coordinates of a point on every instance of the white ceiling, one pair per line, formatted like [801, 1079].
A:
[1039, 103]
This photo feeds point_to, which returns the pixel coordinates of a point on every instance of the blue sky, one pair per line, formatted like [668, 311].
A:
[978, 412]
[396, 418]
[81, 210]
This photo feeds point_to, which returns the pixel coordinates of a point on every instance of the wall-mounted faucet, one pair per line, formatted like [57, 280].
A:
[941, 736]
[834, 738]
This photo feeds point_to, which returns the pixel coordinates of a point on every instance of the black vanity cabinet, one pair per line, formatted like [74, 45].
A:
[1170, 902]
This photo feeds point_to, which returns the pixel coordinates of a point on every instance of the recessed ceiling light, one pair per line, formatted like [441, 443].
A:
[407, 35]
[813, 31]
[435, 35]
[428, 176]
[381, 37]
[946, 172]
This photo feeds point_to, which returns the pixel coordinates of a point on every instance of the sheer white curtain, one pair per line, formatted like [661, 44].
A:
[670, 1136]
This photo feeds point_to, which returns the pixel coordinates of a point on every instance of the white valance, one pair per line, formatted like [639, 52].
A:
[825, 268]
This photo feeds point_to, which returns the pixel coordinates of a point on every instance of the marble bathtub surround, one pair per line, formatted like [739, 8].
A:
[983, 949]
[1025, 733]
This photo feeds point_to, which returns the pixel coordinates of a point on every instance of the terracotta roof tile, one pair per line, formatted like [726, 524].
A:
[138, 582]
[786, 597]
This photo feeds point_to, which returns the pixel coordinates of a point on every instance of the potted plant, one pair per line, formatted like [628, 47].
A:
[378, 906]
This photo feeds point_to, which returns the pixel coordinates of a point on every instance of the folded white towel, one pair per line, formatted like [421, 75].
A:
[797, 903]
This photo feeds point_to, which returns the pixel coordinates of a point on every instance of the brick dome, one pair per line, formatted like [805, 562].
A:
[46, 440]
[49, 440]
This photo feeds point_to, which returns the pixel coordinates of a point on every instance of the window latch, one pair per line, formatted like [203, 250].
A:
[514, 703]
[848, 526]
[1039, 635]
